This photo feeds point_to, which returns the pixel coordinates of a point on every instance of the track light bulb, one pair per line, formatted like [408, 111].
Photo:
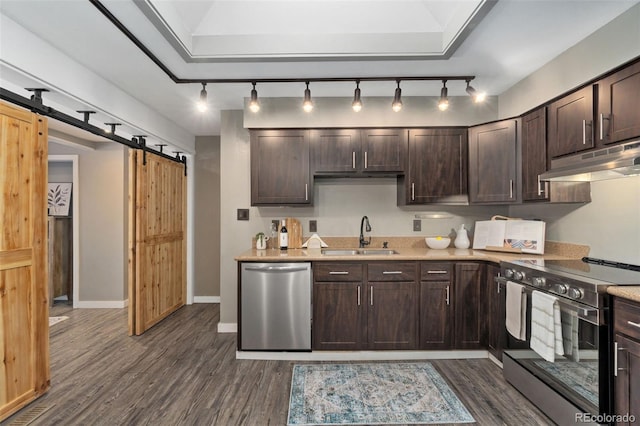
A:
[397, 99]
[307, 104]
[202, 102]
[254, 105]
[357, 103]
[443, 103]
[475, 95]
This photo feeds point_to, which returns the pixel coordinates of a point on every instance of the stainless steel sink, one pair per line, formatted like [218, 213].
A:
[355, 252]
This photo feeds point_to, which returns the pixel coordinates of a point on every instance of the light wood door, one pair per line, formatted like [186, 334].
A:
[24, 312]
[157, 224]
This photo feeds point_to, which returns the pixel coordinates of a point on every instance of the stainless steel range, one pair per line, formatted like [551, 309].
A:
[576, 384]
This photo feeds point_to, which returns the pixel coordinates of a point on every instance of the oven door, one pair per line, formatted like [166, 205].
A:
[581, 375]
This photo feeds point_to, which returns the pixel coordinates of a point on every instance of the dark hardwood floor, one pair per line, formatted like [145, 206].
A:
[182, 372]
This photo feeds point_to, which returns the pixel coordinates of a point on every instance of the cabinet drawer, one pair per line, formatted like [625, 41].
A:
[626, 318]
[430, 271]
[332, 272]
[391, 271]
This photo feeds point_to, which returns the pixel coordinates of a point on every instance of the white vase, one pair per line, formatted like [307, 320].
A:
[462, 239]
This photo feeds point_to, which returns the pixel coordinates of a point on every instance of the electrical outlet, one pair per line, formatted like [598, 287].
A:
[313, 226]
[243, 214]
[417, 225]
[275, 223]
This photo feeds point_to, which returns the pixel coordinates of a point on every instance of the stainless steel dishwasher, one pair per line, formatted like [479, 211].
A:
[275, 306]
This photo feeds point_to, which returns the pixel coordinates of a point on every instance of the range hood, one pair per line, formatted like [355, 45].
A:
[606, 163]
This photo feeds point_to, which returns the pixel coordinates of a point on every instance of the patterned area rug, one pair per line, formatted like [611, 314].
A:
[376, 393]
[55, 320]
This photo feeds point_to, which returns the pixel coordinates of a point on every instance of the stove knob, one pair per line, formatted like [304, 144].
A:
[539, 281]
[576, 293]
[519, 276]
[508, 273]
[561, 288]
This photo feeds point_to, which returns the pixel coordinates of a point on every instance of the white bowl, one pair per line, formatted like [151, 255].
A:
[438, 243]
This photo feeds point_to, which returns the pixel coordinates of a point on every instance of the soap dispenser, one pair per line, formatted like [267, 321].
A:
[462, 239]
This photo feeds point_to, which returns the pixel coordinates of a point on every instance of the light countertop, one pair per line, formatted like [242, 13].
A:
[626, 292]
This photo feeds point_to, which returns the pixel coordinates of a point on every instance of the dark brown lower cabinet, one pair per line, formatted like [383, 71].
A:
[470, 306]
[497, 303]
[392, 318]
[338, 316]
[626, 361]
[436, 305]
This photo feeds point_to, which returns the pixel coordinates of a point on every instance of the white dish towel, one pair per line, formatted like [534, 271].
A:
[516, 316]
[546, 326]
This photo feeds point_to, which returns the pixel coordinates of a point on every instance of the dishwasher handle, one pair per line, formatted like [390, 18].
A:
[276, 268]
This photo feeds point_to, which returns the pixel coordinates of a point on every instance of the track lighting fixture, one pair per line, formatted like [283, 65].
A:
[397, 98]
[112, 127]
[475, 95]
[443, 103]
[254, 105]
[202, 102]
[357, 103]
[86, 114]
[307, 105]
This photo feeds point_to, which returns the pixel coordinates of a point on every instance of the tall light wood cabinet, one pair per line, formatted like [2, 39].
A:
[24, 310]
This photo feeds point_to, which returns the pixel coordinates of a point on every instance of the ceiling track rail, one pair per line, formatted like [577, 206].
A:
[116, 22]
[35, 104]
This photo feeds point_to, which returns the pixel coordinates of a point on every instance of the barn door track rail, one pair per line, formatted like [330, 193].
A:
[35, 104]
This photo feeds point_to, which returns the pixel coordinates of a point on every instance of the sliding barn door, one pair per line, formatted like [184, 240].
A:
[157, 224]
[24, 312]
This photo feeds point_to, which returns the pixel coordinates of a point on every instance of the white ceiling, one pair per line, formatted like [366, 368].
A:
[305, 39]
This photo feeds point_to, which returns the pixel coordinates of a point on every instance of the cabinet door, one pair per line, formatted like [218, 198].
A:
[437, 166]
[384, 150]
[619, 106]
[280, 168]
[571, 123]
[392, 317]
[335, 151]
[493, 162]
[627, 378]
[339, 315]
[496, 301]
[436, 317]
[534, 155]
[470, 315]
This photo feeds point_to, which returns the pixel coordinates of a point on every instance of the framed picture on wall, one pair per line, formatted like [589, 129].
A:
[59, 199]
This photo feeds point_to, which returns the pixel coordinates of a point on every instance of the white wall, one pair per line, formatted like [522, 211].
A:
[103, 223]
[610, 224]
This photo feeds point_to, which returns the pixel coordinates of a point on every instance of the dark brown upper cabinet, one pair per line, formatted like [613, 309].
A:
[534, 155]
[571, 123]
[358, 152]
[280, 173]
[436, 167]
[618, 116]
[493, 163]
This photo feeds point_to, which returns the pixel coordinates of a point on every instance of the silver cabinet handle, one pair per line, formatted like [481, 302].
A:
[371, 295]
[358, 295]
[413, 191]
[306, 192]
[366, 164]
[437, 271]
[510, 188]
[616, 352]
[584, 132]
[338, 272]
[448, 299]
[635, 324]
[540, 190]
[601, 123]
[391, 272]
[353, 160]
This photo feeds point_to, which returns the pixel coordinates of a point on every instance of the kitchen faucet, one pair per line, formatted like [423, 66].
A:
[363, 242]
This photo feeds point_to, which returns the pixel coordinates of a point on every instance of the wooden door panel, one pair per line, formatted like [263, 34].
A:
[24, 326]
[157, 265]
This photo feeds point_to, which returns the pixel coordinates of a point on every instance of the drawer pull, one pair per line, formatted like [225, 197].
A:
[391, 272]
[437, 272]
[635, 324]
[338, 273]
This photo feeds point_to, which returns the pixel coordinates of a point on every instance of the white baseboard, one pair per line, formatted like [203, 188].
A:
[227, 327]
[102, 304]
[362, 355]
[206, 299]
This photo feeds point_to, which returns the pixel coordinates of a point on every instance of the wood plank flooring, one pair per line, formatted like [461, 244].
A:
[182, 372]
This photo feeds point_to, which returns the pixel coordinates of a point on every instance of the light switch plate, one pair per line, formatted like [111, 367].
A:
[313, 226]
[417, 225]
[243, 214]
